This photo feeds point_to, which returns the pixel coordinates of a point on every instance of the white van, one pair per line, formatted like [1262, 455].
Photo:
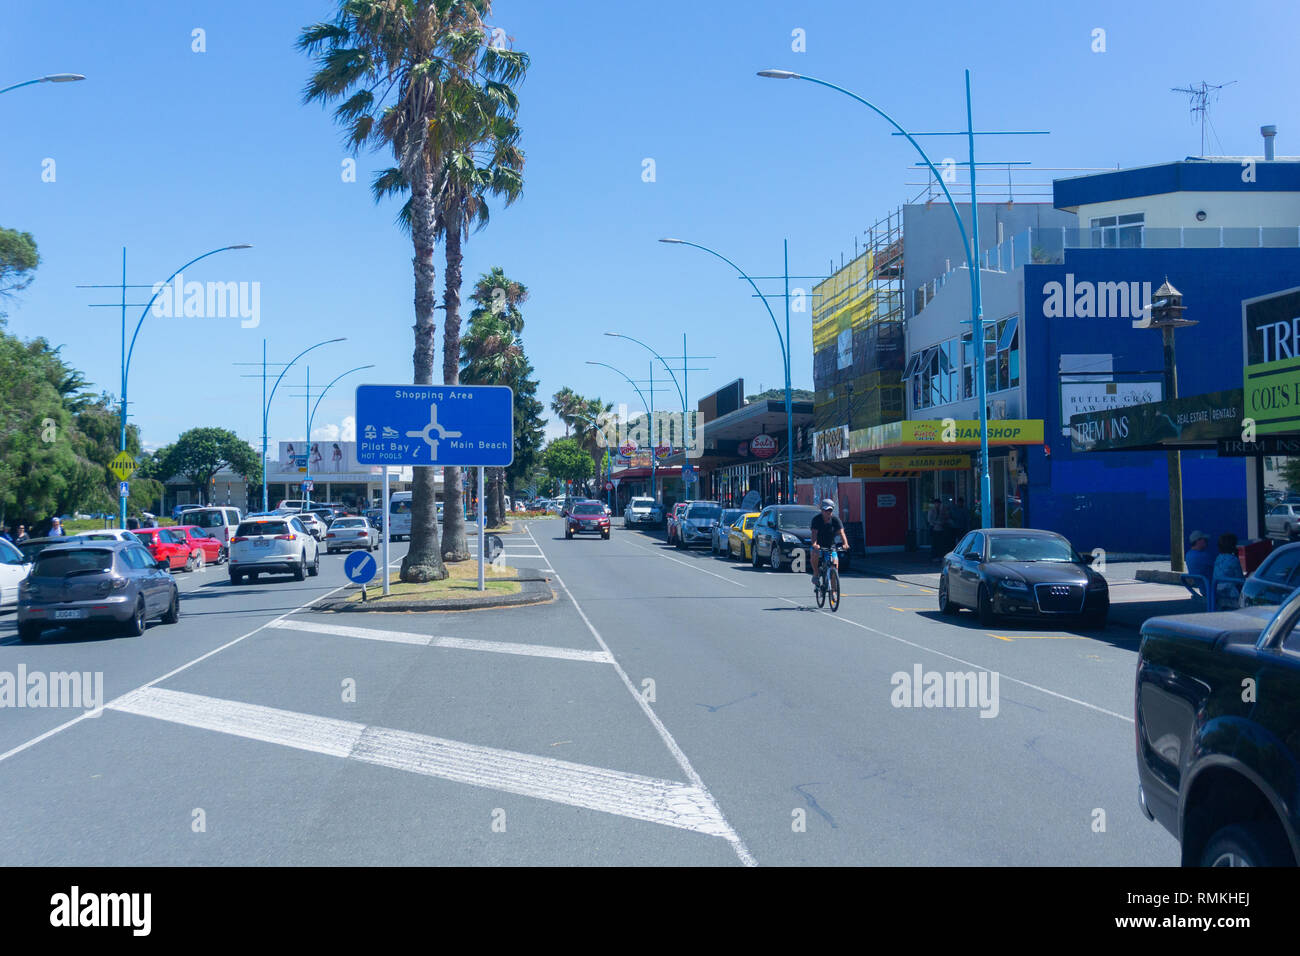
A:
[219, 522]
[399, 515]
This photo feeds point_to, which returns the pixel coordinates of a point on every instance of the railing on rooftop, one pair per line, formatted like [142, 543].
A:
[1046, 246]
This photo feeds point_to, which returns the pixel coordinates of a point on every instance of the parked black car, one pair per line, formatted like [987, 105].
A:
[1274, 580]
[781, 532]
[1217, 711]
[1022, 573]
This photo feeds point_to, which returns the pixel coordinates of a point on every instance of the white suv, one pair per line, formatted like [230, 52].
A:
[642, 511]
[273, 545]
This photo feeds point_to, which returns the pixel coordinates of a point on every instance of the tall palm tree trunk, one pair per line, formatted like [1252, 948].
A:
[454, 545]
[501, 495]
[492, 516]
[423, 561]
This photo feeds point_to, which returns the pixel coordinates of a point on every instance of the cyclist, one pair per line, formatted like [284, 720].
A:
[826, 529]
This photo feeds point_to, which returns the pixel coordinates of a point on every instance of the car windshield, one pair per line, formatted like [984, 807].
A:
[65, 562]
[402, 506]
[9, 554]
[703, 512]
[589, 509]
[204, 519]
[641, 503]
[253, 528]
[350, 523]
[1029, 548]
[795, 519]
[731, 516]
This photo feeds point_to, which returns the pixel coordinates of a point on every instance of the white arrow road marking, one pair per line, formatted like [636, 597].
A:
[460, 643]
[665, 802]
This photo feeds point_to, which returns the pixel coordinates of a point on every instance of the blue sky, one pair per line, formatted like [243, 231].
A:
[170, 153]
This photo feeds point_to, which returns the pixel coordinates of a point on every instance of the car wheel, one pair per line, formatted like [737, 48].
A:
[174, 609]
[300, 572]
[568, 535]
[1246, 844]
[223, 555]
[315, 565]
[200, 562]
[329, 550]
[1096, 620]
[987, 617]
[774, 558]
[135, 626]
[1290, 533]
[753, 557]
[945, 604]
[236, 577]
[29, 633]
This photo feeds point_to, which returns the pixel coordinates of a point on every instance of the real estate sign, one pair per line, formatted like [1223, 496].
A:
[1271, 378]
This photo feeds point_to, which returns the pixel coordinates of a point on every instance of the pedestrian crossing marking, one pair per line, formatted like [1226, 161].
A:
[431, 640]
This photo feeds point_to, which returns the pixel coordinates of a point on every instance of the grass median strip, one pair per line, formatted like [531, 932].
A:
[461, 582]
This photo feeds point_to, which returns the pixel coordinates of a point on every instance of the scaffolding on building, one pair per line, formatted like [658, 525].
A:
[858, 340]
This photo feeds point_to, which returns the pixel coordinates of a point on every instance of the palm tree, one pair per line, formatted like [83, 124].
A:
[476, 143]
[565, 404]
[395, 65]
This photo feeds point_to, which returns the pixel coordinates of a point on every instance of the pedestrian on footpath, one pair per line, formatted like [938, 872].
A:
[22, 535]
[56, 529]
[958, 522]
[1228, 576]
[934, 518]
[1200, 561]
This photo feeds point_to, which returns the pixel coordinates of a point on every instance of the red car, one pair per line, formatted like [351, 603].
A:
[586, 517]
[170, 551]
[213, 551]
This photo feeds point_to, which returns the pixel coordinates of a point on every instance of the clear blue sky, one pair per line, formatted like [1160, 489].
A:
[171, 153]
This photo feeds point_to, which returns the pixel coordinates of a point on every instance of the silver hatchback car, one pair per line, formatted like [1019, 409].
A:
[89, 582]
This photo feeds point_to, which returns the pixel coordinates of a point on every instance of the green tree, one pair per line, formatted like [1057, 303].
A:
[200, 453]
[391, 66]
[566, 460]
[18, 261]
[1290, 473]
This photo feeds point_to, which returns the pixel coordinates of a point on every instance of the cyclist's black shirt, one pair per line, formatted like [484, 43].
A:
[826, 533]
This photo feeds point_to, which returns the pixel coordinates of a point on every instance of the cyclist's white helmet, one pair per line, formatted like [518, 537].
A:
[828, 505]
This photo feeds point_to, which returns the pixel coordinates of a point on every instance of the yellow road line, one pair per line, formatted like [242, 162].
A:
[1041, 637]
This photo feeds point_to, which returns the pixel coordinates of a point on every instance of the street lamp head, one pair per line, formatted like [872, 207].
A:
[674, 241]
[62, 78]
[617, 335]
[778, 74]
[242, 245]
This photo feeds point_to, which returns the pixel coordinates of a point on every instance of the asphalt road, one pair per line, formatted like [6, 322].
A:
[668, 708]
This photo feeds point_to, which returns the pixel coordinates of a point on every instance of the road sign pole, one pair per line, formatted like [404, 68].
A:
[480, 509]
[384, 504]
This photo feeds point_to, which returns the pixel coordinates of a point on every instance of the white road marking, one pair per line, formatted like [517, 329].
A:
[460, 643]
[1004, 676]
[665, 802]
[737, 844]
[694, 566]
[202, 657]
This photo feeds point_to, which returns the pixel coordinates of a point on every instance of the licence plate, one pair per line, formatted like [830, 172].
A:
[261, 543]
[75, 614]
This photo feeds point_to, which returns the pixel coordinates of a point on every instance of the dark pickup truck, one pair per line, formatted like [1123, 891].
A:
[1217, 712]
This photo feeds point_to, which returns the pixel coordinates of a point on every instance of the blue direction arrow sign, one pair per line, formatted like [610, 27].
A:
[360, 567]
[466, 426]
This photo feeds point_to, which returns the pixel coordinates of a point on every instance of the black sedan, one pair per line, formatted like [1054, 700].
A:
[1021, 573]
[1274, 580]
[784, 532]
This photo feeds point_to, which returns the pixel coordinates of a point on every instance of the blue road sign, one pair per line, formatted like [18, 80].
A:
[360, 567]
[463, 425]
[123, 489]
[688, 472]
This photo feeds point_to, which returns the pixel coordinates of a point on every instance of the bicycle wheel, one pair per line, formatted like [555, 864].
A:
[833, 588]
[819, 588]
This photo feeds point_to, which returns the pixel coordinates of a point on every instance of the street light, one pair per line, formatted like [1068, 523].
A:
[1167, 316]
[266, 406]
[311, 416]
[48, 78]
[972, 264]
[651, 406]
[128, 352]
[680, 393]
[785, 348]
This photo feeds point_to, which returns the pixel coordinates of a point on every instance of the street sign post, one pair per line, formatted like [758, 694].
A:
[360, 567]
[463, 426]
[124, 489]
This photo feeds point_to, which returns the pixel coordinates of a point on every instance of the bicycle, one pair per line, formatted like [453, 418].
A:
[827, 583]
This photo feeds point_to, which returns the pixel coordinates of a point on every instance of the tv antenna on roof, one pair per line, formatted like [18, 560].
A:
[1199, 100]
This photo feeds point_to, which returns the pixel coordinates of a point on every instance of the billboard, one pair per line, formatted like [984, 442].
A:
[325, 458]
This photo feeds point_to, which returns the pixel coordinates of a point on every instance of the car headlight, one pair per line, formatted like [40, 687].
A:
[1011, 584]
[787, 538]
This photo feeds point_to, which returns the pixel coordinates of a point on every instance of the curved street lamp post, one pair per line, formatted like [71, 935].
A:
[48, 78]
[972, 264]
[649, 405]
[311, 415]
[128, 351]
[266, 406]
